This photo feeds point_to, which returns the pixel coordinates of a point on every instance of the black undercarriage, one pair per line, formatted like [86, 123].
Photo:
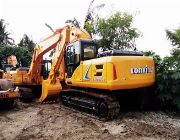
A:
[105, 104]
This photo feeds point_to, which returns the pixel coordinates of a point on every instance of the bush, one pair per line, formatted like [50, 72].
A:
[168, 90]
[167, 80]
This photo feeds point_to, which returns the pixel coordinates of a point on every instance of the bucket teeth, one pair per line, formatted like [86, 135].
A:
[50, 100]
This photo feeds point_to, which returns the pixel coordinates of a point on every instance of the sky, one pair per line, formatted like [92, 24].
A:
[151, 18]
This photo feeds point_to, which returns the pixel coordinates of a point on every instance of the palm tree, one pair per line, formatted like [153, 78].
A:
[4, 35]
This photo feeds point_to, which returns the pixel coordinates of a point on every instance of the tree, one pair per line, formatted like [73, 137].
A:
[22, 54]
[157, 59]
[92, 11]
[168, 75]
[28, 43]
[174, 37]
[115, 32]
[167, 82]
[4, 35]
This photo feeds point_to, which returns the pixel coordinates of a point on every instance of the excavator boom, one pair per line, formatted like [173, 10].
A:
[52, 86]
[41, 49]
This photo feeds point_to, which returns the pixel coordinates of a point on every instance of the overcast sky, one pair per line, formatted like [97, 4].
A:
[152, 18]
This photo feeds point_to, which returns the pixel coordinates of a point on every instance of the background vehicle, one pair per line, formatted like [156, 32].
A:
[84, 79]
[7, 93]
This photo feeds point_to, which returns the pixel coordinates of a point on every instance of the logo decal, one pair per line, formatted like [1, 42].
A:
[141, 70]
[85, 77]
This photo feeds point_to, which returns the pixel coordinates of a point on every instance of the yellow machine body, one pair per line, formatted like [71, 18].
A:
[114, 73]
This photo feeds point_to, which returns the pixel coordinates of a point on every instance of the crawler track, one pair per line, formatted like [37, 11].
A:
[103, 106]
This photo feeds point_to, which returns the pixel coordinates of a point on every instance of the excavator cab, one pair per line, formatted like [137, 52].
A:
[78, 51]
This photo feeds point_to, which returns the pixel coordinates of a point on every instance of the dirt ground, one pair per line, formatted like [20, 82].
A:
[54, 121]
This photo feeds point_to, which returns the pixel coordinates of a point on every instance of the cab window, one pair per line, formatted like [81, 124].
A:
[89, 51]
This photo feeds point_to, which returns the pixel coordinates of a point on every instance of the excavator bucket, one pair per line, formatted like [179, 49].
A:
[50, 92]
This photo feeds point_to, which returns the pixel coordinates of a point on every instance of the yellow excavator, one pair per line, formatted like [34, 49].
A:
[83, 78]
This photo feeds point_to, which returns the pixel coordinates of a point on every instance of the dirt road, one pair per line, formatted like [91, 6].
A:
[52, 121]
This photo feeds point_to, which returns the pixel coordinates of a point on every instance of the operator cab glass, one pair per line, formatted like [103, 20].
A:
[88, 51]
[46, 66]
[78, 51]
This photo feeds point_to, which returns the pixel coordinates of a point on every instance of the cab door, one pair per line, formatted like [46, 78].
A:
[70, 60]
[73, 51]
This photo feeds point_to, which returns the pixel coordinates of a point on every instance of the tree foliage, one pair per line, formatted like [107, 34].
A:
[168, 84]
[4, 35]
[22, 54]
[23, 51]
[168, 75]
[167, 81]
[157, 59]
[92, 11]
[174, 59]
[174, 36]
[115, 32]
[28, 43]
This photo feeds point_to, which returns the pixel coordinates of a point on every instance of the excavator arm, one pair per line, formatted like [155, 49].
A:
[59, 56]
[52, 86]
[40, 50]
